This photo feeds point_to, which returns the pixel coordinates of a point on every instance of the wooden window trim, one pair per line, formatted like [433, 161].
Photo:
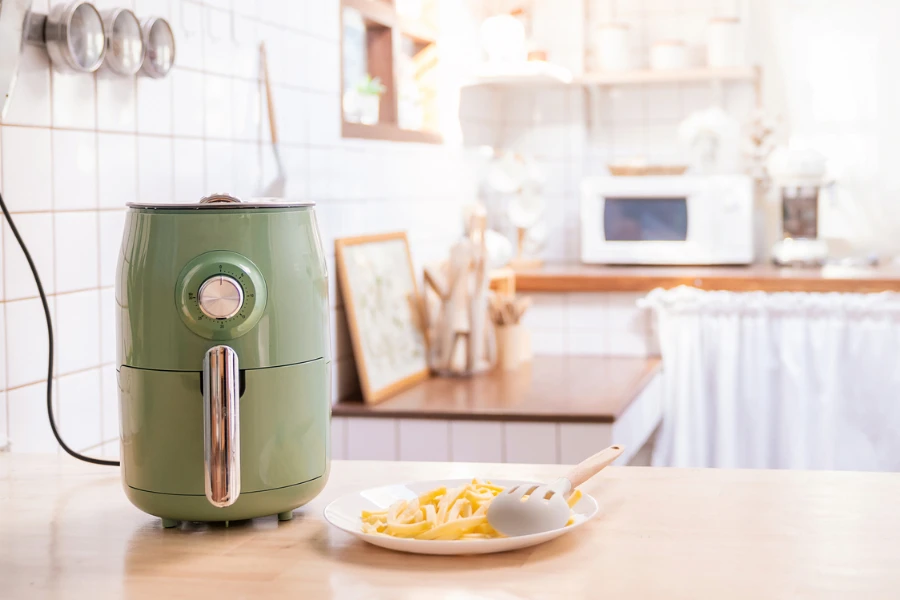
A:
[383, 13]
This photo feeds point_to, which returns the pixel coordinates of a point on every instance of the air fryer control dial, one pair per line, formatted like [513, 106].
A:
[220, 297]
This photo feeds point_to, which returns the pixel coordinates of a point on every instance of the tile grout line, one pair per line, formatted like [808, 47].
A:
[5, 320]
[56, 377]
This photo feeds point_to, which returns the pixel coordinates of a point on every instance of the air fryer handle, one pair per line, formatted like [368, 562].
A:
[221, 426]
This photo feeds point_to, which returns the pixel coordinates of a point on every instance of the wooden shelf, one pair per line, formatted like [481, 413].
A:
[546, 74]
[648, 76]
[532, 73]
[577, 389]
[766, 278]
[390, 132]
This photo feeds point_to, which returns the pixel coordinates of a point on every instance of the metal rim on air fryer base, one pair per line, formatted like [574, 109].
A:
[221, 206]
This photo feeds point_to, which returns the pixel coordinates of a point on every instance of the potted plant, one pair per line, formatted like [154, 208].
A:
[361, 102]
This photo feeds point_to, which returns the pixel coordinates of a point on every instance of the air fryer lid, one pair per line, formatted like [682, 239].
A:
[224, 201]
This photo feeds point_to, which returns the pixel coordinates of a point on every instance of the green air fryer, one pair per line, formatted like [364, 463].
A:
[223, 359]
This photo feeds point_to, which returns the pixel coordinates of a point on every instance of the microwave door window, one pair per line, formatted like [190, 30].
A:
[645, 219]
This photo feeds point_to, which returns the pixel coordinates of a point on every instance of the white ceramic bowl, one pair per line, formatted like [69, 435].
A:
[344, 513]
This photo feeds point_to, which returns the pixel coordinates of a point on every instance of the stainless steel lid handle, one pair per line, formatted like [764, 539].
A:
[221, 426]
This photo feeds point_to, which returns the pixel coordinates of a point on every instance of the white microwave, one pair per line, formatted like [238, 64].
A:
[683, 220]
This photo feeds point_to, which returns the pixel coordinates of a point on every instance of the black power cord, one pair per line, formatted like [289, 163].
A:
[37, 280]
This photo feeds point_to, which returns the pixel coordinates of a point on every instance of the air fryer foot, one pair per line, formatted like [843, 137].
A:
[169, 523]
[286, 516]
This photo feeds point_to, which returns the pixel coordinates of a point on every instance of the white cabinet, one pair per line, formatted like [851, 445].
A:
[476, 441]
[424, 439]
[371, 438]
[532, 443]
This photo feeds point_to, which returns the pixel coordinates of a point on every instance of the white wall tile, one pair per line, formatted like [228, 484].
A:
[533, 443]
[246, 53]
[80, 409]
[154, 105]
[74, 170]
[476, 441]
[4, 429]
[112, 224]
[551, 342]
[424, 439]
[117, 103]
[218, 109]
[78, 331]
[323, 73]
[155, 166]
[371, 439]
[188, 29]
[110, 405]
[30, 103]
[188, 113]
[324, 119]
[590, 342]
[247, 104]
[111, 450]
[220, 166]
[156, 8]
[190, 165]
[2, 373]
[292, 119]
[218, 42]
[117, 169]
[247, 177]
[323, 19]
[586, 311]
[29, 430]
[26, 343]
[77, 253]
[578, 441]
[27, 180]
[37, 231]
[338, 438]
[108, 325]
[74, 101]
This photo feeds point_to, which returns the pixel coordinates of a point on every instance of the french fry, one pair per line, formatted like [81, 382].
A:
[443, 514]
[452, 530]
[574, 498]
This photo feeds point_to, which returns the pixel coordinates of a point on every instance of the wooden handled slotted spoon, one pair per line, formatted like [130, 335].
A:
[527, 509]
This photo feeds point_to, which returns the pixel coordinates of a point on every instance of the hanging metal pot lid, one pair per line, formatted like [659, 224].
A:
[224, 201]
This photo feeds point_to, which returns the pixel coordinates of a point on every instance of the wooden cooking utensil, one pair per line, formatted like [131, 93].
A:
[545, 507]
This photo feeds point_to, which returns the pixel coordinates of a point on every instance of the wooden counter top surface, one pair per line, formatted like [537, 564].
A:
[766, 278]
[68, 531]
[582, 389]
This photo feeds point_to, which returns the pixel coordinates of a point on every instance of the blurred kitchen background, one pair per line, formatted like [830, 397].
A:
[398, 115]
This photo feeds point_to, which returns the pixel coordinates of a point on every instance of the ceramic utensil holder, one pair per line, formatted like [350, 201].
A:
[612, 47]
[509, 346]
[724, 43]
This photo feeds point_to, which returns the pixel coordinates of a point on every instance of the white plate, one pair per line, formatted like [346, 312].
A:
[344, 513]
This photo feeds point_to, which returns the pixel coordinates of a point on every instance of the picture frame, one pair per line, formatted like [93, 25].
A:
[380, 292]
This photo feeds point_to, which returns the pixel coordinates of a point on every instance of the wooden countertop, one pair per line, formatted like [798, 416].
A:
[766, 278]
[69, 532]
[582, 389]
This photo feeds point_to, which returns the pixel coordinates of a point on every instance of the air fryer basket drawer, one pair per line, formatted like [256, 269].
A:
[284, 424]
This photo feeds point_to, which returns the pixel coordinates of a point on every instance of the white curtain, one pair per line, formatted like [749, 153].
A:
[785, 380]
